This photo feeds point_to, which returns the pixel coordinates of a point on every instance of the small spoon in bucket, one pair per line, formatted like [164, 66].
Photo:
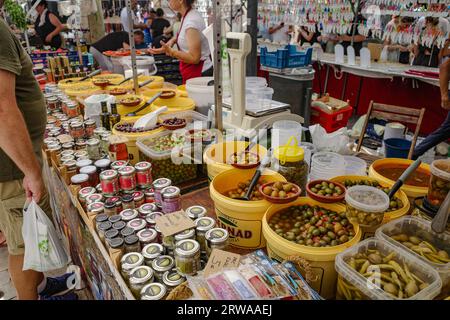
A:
[258, 173]
[405, 175]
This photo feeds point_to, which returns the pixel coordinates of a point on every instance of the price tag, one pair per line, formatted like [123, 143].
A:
[219, 260]
[173, 223]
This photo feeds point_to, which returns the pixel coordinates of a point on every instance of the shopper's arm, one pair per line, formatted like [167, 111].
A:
[444, 78]
[306, 35]
[58, 25]
[194, 53]
[14, 138]
[356, 38]
[275, 29]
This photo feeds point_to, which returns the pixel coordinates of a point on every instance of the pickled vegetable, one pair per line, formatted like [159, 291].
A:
[242, 188]
[439, 183]
[244, 158]
[312, 226]
[280, 190]
[177, 173]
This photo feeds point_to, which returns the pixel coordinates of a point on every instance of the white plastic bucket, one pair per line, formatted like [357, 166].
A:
[199, 91]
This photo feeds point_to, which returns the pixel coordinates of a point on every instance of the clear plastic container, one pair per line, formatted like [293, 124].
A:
[419, 228]
[282, 130]
[366, 205]
[439, 182]
[354, 286]
[327, 165]
[355, 166]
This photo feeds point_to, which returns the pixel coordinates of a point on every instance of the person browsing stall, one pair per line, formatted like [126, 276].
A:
[48, 26]
[193, 53]
[279, 33]
[124, 19]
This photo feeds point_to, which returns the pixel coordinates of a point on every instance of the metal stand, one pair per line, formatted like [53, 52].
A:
[252, 29]
[132, 47]
[217, 56]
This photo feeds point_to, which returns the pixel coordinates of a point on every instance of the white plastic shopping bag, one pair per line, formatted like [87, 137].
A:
[43, 248]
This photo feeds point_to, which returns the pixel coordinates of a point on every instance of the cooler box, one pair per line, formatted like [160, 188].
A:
[331, 121]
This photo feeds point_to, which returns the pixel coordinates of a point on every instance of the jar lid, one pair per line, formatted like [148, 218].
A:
[54, 147]
[141, 275]
[129, 214]
[99, 130]
[79, 178]
[172, 278]
[161, 183]
[114, 199]
[115, 218]
[84, 163]
[118, 164]
[80, 153]
[137, 224]
[87, 169]
[289, 153]
[132, 260]
[105, 136]
[163, 263]
[66, 153]
[127, 198]
[141, 166]
[147, 235]
[115, 243]
[153, 291]
[205, 223]
[170, 192]
[96, 207]
[108, 174]
[217, 235]
[152, 250]
[126, 231]
[127, 170]
[102, 163]
[105, 226]
[68, 146]
[138, 195]
[95, 197]
[109, 204]
[70, 163]
[147, 208]
[151, 217]
[157, 228]
[149, 192]
[119, 225]
[186, 234]
[131, 239]
[71, 104]
[89, 122]
[76, 125]
[368, 199]
[80, 143]
[50, 140]
[93, 142]
[187, 247]
[102, 217]
[52, 99]
[195, 212]
[111, 233]
[168, 241]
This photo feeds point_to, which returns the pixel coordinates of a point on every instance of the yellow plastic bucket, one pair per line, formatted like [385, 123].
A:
[388, 216]
[411, 191]
[69, 83]
[112, 77]
[216, 155]
[124, 110]
[320, 259]
[242, 219]
[175, 104]
[82, 90]
[182, 91]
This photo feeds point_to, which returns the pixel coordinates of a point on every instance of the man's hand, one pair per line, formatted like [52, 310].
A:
[34, 186]
[48, 38]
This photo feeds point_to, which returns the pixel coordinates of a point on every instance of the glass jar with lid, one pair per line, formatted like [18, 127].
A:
[195, 212]
[149, 195]
[102, 228]
[71, 166]
[114, 218]
[145, 209]
[98, 132]
[80, 154]
[83, 163]
[147, 236]
[68, 146]
[119, 164]
[138, 198]
[117, 148]
[127, 179]
[203, 225]
[80, 144]
[139, 278]
[158, 185]
[151, 251]
[93, 149]
[130, 261]
[171, 199]
[81, 180]
[91, 171]
[72, 109]
[109, 180]
[116, 248]
[151, 218]
[162, 264]
[89, 127]
[129, 214]
[422, 211]
[120, 226]
[172, 279]
[216, 238]
[187, 257]
[168, 243]
[110, 208]
[102, 165]
[68, 153]
[111, 234]
[288, 160]
[186, 234]
[96, 208]
[137, 224]
[76, 130]
[132, 244]
[68, 158]
[84, 193]
[153, 291]
[95, 197]
[125, 232]
[100, 218]
[144, 174]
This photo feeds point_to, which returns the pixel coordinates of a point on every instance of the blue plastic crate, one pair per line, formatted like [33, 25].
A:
[286, 58]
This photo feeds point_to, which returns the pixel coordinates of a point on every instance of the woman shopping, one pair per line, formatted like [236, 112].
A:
[48, 26]
[193, 53]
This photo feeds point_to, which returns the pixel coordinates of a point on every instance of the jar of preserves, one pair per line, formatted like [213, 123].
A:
[147, 236]
[110, 208]
[68, 152]
[145, 209]
[55, 151]
[52, 102]
[98, 132]
[216, 238]
[151, 252]
[125, 232]
[129, 214]
[151, 218]
[76, 130]
[91, 171]
[144, 174]
[50, 141]
[115, 218]
[102, 165]
[172, 279]
[96, 208]
[93, 148]
[184, 235]
[203, 225]
[68, 158]
[137, 224]
[158, 231]
[119, 164]
[139, 278]
[127, 179]
[102, 228]
[153, 291]
[109, 180]
[81, 180]
[130, 261]
[120, 226]
[118, 202]
[127, 202]
[168, 243]
[80, 144]
[288, 160]
[71, 166]
[100, 218]
[158, 185]
[138, 197]
[195, 212]
[68, 146]
[171, 199]
[80, 154]
[111, 234]
[116, 248]
[162, 264]
[117, 148]
[72, 109]
[83, 163]
[149, 195]
[89, 127]
[95, 197]
[84, 193]
[132, 244]
[187, 257]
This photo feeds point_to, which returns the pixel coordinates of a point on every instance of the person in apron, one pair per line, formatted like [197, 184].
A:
[48, 26]
[194, 54]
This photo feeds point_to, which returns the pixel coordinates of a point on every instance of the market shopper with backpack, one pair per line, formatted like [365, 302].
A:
[23, 114]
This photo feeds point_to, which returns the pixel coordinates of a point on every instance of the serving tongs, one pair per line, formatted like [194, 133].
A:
[258, 173]
[127, 79]
[93, 73]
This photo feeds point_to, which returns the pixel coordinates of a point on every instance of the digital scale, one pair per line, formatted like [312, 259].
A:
[235, 115]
